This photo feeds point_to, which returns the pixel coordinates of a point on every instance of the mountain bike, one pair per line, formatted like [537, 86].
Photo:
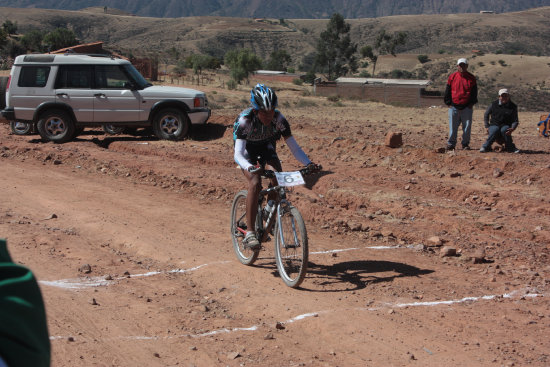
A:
[276, 216]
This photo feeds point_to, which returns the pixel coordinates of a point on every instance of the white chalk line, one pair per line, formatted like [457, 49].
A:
[514, 294]
[462, 300]
[101, 281]
[90, 282]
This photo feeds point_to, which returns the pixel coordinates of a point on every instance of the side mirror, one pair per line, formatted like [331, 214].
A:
[129, 85]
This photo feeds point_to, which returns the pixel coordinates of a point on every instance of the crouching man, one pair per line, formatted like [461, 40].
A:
[501, 119]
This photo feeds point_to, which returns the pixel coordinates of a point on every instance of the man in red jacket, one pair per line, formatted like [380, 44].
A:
[460, 96]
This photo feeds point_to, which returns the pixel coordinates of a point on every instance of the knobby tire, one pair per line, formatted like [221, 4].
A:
[238, 219]
[291, 261]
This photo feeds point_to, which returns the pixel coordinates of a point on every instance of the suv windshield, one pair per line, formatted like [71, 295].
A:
[138, 78]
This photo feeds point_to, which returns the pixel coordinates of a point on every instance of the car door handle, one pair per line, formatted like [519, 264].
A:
[61, 94]
[99, 95]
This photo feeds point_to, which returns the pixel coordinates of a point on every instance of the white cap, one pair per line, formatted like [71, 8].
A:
[462, 61]
[503, 91]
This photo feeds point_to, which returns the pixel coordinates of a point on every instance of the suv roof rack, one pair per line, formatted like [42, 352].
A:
[112, 57]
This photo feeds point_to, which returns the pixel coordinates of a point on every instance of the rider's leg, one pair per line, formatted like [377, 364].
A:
[254, 187]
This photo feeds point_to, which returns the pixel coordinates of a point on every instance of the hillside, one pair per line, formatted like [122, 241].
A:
[524, 32]
[284, 8]
[442, 37]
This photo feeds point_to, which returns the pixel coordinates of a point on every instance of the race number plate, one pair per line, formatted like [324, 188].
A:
[290, 178]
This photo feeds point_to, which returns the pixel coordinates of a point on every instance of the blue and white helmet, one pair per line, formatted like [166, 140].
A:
[263, 98]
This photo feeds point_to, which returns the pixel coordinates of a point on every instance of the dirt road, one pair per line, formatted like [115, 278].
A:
[164, 288]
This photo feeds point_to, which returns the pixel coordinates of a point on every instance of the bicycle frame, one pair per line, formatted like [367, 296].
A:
[280, 202]
[284, 223]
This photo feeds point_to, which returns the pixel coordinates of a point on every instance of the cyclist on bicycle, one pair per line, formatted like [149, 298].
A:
[255, 133]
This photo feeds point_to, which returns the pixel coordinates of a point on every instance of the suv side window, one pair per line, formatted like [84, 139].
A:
[111, 77]
[74, 76]
[33, 76]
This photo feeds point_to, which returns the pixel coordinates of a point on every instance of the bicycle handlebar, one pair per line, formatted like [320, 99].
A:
[260, 168]
[307, 170]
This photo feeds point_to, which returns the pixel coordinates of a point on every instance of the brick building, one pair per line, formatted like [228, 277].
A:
[391, 91]
[279, 76]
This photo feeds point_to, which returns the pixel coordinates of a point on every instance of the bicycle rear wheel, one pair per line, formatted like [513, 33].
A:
[238, 226]
[291, 248]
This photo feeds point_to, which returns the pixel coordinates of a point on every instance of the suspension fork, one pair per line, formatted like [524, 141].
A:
[283, 207]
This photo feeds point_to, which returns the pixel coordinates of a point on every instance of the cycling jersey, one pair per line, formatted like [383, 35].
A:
[248, 127]
[253, 139]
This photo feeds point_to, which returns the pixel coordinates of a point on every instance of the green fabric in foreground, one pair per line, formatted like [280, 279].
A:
[24, 339]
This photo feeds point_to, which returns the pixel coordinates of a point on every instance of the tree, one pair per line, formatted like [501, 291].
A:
[179, 69]
[335, 51]
[279, 60]
[199, 62]
[423, 59]
[32, 41]
[13, 48]
[60, 38]
[242, 63]
[367, 52]
[310, 77]
[385, 44]
[9, 27]
[3, 37]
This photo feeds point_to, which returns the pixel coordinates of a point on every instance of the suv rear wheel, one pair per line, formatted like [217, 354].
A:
[56, 126]
[21, 128]
[171, 124]
[113, 129]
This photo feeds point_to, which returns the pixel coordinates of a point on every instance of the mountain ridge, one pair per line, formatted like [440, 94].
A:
[524, 32]
[294, 9]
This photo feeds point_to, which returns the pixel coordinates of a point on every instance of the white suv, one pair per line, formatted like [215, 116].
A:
[62, 94]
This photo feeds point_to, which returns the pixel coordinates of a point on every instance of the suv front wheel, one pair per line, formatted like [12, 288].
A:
[171, 124]
[56, 126]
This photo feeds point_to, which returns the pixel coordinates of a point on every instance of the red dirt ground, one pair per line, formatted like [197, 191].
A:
[151, 218]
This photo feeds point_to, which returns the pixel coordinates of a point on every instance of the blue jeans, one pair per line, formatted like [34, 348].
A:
[494, 132]
[456, 117]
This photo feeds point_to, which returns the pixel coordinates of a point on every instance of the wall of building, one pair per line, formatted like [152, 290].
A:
[289, 78]
[406, 95]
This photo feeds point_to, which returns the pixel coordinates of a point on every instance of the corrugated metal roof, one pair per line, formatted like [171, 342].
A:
[269, 72]
[420, 83]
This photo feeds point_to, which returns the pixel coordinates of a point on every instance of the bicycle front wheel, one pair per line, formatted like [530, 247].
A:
[291, 248]
[238, 230]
